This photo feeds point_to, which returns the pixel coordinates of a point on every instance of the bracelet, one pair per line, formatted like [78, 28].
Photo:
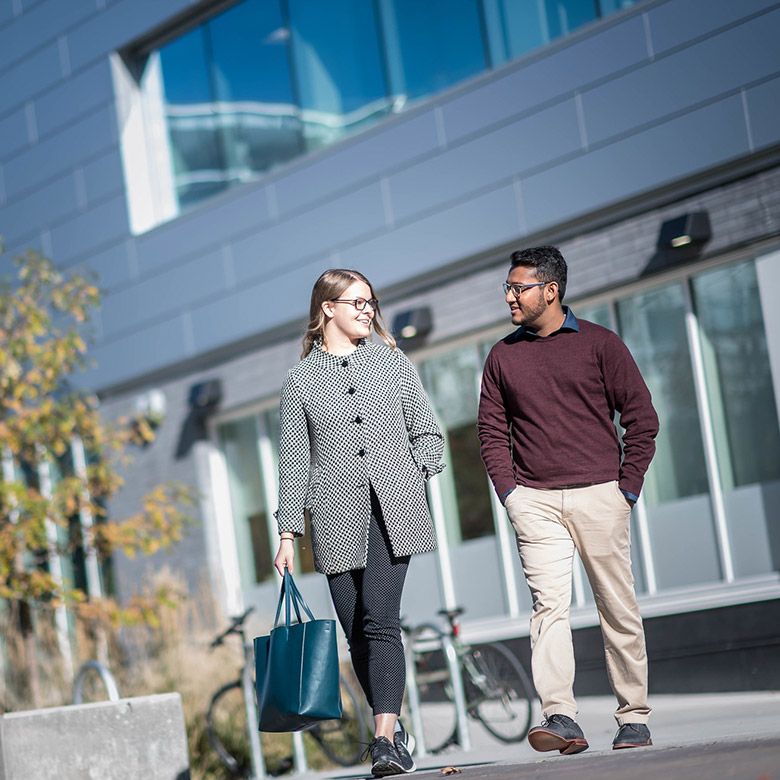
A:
[287, 538]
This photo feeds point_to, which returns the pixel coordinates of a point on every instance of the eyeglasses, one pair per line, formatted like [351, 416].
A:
[359, 303]
[518, 289]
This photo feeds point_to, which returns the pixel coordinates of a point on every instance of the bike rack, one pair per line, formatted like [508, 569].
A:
[105, 676]
[458, 693]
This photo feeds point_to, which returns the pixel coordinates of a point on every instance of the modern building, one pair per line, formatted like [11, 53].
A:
[209, 159]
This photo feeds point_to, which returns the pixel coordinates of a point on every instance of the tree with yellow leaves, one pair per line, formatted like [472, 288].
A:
[60, 465]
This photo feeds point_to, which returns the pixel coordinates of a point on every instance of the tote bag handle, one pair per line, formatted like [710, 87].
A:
[289, 594]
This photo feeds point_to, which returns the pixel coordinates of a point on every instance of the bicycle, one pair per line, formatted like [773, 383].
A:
[496, 687]
[231, 718]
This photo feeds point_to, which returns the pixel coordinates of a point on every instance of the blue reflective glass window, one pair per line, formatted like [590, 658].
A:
[433, 44]
[192, 130]
[258, 118]
[229, 100]
[249, 53]
[565, 16]
[185, 69]
[529, 24]
[338, 67]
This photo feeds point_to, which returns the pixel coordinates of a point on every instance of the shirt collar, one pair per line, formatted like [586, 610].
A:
[569, 323]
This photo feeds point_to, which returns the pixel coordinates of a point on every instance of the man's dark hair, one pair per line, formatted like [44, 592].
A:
[547, 262]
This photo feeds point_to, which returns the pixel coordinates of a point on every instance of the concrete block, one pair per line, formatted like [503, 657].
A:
[31, 75]
[672, 24]
[307, 235]
[545, 77]
[74, 97]
[357, 160]
[61, 152]
[763, 102]
[693, 75]
[662, 154]
[124, 740]
[42, 23]
[489, 159]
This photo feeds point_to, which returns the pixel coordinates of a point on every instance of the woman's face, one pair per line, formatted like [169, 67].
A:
[345, 318]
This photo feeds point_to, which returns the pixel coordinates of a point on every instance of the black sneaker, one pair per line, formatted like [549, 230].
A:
[384, 757]
[632, 735]
[558, 732]
[404, 743]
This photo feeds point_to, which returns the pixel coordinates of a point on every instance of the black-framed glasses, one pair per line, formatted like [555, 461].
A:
[518, 289]
[359, 303]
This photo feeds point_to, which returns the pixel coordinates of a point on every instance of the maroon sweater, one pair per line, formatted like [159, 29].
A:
[547, 409]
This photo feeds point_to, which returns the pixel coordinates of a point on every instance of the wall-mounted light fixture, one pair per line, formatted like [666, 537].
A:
[203, 400]
[689, 230]
[410, 327]
[205, 396]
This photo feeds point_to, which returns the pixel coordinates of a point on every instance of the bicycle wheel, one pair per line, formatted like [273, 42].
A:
[437, 709]
[226, 729]
[342, 740]
[499, 691]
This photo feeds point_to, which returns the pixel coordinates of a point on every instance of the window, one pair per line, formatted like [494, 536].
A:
[238, 441]
[228, 102]
[426, 55]
[452, 383]
[338, 66]
[250, 446]
[265, 81]
[739, 381]
[743, 412]
[653, 326]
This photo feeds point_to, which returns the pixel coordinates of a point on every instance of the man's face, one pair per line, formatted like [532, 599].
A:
[529, 306]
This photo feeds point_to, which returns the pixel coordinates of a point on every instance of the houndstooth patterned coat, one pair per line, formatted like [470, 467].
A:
[347, 421]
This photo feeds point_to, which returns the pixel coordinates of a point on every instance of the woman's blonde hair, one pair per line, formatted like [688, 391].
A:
[328, 287]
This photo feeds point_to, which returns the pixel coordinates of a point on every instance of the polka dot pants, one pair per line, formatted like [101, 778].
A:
[368, 604]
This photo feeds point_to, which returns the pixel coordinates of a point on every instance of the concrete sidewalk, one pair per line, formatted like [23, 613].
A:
[677, 721]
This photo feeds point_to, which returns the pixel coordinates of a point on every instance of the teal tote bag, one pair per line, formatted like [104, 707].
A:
[297, 668]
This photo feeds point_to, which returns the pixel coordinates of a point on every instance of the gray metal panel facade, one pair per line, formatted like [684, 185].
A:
[637, 101]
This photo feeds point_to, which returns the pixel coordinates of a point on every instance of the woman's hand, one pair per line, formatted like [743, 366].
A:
[285, 556]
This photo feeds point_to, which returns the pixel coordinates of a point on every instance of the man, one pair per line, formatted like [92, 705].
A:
[550, 392]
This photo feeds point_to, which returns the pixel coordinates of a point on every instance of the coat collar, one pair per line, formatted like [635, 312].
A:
[322, 359]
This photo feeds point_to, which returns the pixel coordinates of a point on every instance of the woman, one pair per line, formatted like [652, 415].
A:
[358, 440]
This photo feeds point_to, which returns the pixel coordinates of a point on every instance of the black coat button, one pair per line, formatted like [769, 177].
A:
[344, 363]
[358, 419]
[351, 391]
[361, 453]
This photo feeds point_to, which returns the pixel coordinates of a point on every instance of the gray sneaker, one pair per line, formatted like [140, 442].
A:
[631, 735]
[404, 745]
[558, 732]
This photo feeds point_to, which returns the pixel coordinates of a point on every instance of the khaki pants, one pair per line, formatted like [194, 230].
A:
[549, 525]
